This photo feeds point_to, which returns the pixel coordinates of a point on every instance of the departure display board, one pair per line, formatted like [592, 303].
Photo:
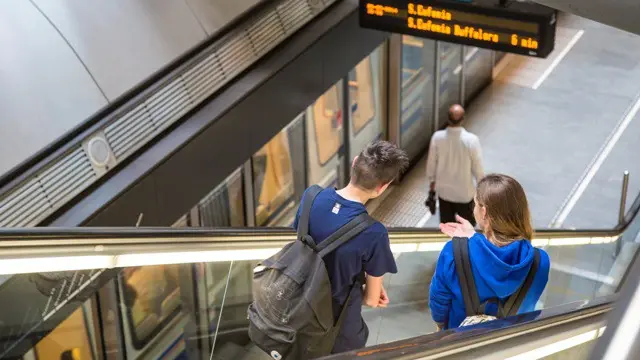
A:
[518, 27]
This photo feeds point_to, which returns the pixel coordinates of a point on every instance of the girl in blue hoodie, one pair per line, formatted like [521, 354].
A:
[500, 259]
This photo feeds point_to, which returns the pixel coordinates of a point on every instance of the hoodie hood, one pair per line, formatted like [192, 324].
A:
[500, 269]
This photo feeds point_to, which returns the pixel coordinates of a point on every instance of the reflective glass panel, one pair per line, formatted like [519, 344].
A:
[224, 206]
[450, 74]
[272, 178]
[68, 341]
[478, 68]
[365, 88]
[152, 296]
[186, 311]
[324, 137]
[327, 121]
[417, 93]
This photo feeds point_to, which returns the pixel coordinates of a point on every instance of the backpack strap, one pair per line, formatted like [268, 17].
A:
[303, 222]
[512, 305]
[465, 275]
[341, 236]
[333, 333]
[344, 234]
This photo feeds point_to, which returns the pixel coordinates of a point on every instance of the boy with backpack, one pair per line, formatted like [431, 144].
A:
[308, 298]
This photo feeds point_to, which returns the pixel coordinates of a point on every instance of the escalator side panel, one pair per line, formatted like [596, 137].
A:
[34, 304]
[281, 87]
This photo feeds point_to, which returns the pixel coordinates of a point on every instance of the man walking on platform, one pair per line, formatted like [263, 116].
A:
[454, 161]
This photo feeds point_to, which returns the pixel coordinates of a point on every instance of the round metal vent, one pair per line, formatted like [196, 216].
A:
[99, 151]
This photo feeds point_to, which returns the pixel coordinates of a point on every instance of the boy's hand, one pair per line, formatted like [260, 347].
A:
[384, 299]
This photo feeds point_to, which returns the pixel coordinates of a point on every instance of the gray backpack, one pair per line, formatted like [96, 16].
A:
[291, 316]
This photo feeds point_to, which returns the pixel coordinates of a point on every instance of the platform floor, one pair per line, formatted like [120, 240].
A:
[549, 137]
[564, 128]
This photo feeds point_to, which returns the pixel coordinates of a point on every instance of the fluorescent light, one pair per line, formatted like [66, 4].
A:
[598, 240]
[431, 246]
[540, 242]
[70, 263]
[145, 259]
[569, 241]
[58, 263]
[82, 262]
[557, 347]
[402, 248]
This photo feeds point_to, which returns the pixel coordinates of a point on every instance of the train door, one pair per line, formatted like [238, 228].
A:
[278, 180]
[324, 129]
[367, 110]
[478, 69]
[414, 118]
[450, 72]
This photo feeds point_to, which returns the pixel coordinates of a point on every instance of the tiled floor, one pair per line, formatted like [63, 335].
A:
[404, 206]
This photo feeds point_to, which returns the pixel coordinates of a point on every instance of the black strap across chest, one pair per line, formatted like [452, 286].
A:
[332, 242]
[468, 285]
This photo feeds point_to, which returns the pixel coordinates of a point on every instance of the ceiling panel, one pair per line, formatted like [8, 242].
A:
[123, 42]
[622, 14]
[214, 14]
[44, 88]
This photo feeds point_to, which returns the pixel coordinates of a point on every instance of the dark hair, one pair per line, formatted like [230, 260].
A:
[507, 208]
[378, 164]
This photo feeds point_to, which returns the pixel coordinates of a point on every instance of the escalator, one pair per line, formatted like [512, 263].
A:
[179, 293]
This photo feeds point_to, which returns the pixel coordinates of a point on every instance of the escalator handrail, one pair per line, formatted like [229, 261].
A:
[44, 233]
[484, 333]
[86, 235]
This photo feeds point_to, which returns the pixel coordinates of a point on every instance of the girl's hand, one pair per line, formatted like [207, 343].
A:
[462, 228]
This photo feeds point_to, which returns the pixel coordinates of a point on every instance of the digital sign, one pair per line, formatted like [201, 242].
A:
[517, 27]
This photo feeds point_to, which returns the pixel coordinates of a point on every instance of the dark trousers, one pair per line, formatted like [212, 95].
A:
[448, 211]
[348, 340]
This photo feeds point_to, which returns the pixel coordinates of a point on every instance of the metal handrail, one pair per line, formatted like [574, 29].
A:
[114, 233]
[447, 343]
[126, 235]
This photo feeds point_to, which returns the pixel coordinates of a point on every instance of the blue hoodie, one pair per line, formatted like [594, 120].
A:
[497, 271]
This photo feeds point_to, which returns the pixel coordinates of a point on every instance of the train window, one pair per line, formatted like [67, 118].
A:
[68, 341]
[365, 94]
[417, 94]
[273, 179]
[152, 297]
[361, 94]
[327, 121]
[224, 205]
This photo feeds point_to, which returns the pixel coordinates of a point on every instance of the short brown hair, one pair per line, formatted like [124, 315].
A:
[507, 208]
[378, 164]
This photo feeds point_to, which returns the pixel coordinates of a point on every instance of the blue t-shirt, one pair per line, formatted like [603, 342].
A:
[368, 251]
